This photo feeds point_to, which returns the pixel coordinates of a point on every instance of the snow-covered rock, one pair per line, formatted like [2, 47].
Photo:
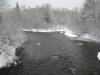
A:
[38, 44]
[98, 55]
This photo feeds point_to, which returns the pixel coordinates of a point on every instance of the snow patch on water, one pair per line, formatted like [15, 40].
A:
[38, 44]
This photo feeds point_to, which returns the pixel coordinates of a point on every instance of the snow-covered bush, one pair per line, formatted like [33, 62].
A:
[8, 44]
[7, 55]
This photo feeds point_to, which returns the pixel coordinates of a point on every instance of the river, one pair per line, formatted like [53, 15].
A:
[55, 54]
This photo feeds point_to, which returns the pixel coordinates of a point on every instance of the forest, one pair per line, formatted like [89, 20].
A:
[84, 20]
[80, 21]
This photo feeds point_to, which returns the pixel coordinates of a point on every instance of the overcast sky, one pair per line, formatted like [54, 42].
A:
[70, 4]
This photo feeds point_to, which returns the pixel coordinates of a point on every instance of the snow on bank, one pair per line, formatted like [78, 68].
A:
[37, 30]
[7, 56]
[66, 31]
[88, 37]
[69, 33]
[83, 37]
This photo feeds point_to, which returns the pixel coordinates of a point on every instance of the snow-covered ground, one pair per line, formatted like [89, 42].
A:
[7, 55]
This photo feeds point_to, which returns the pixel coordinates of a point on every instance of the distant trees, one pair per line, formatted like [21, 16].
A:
[47, 17]
[17, 18]
[3, 3]
[75, 23]
[90, 17]
[47, 13]
[11, 29]
[43, 17]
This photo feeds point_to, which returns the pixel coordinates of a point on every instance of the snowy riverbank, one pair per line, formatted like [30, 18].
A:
[69, 33]
[8, 47]
[7, 55]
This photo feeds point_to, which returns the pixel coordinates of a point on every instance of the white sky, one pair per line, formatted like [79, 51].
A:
[70, 4]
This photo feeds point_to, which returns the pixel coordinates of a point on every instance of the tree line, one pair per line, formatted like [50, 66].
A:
[85, 20]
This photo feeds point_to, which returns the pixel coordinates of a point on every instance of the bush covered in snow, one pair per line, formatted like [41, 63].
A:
[7, 55]
[8, 44]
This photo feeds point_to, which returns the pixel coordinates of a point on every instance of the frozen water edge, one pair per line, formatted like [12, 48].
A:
[7, 56]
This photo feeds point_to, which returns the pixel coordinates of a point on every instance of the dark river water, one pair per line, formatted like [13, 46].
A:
[54, 54]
